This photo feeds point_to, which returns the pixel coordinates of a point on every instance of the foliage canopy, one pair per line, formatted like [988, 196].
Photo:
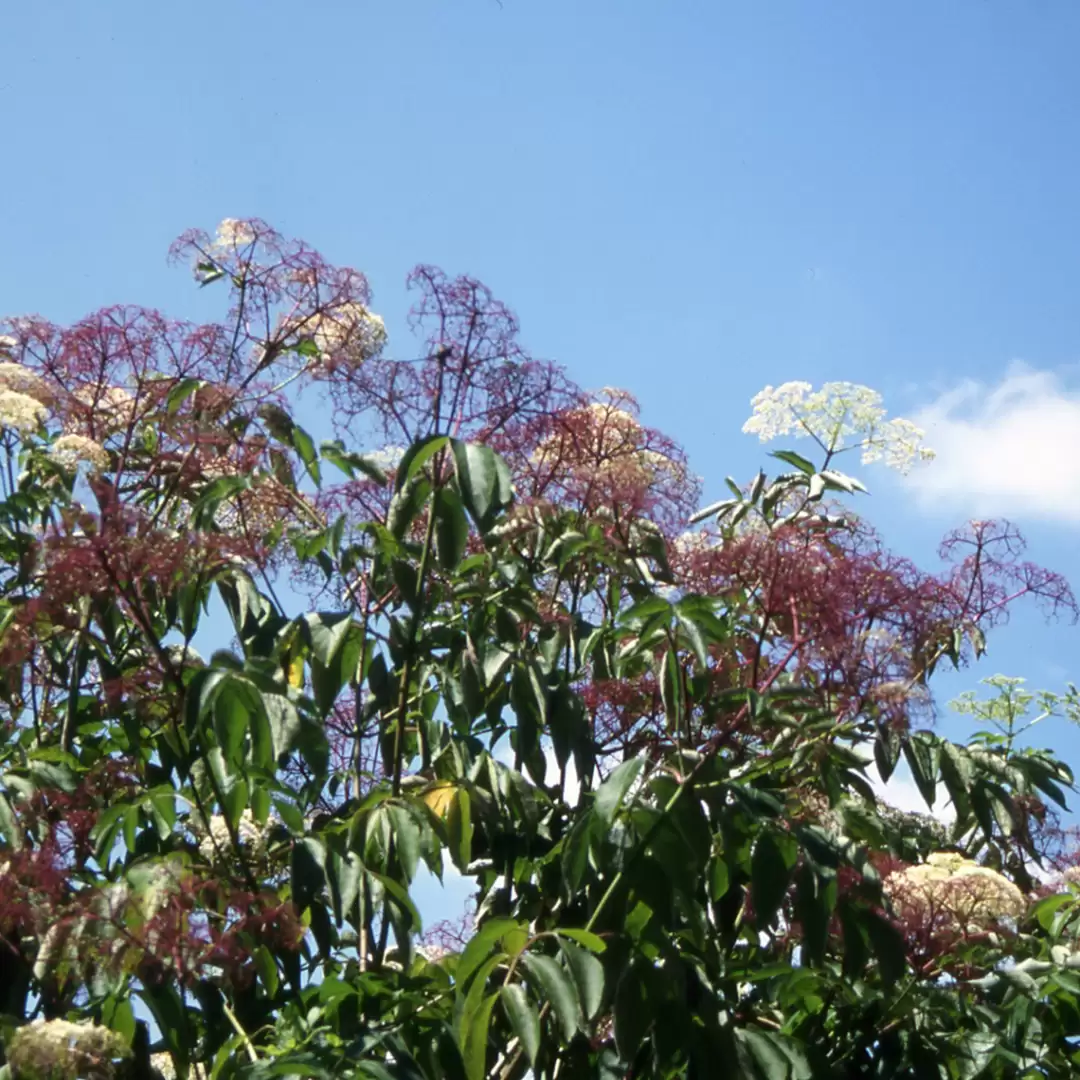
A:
[490, 649]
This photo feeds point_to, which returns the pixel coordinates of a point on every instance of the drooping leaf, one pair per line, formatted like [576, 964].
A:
[557, 987]
[588, 975]
[524, 1019]
[612, 792]
[483, 480]
[451, 528]
[772, 864]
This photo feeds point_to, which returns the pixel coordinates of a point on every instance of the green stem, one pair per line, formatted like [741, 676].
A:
[239, 1029]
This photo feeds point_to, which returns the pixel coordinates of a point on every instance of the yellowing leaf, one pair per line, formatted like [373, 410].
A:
[440, 798]
[294, 671]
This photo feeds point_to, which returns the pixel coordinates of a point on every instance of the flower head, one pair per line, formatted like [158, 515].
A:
[347, 334]
[216, 837]
[20, 412]
[61, 1050]
[106, 409]
[234, 233]
[387, 458]
[956, 892]
[71, 450]
[21, 379]
[606, 441]
[839, 415]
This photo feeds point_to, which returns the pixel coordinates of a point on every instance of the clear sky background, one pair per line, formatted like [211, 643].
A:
[687, 199]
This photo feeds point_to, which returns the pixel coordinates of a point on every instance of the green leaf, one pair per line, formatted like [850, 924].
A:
[308, 871]
[234, 705]
[305, 447]
[119, 1016]
[267, 968]
[474, 1050]
[588, 974]
[610, 794]
[343, 874]
[351, 464]
[326, 633]
[771, 868]
[460, 829]
[1045, 910]
[888, 945]
[634, 1015]
[797, 461]
[480, 944]
[841, 481]
[483, 480]
[556, 987]
[416, 457]
[769, 1062]
[172, 1020]
[524, 1019]
[407, 839]
[451, 528]
[9, 826]
[180, 393]
[815, 898]
[406, 505]
[592, 942]
[922, 759]
[290, 815]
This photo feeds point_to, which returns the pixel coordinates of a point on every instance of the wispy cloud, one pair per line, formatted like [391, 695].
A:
[1006, 449]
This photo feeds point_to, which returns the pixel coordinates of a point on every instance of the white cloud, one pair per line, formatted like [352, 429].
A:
[1009, 449]
[900, 792]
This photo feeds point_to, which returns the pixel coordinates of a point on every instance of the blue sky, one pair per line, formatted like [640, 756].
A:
[688, 199]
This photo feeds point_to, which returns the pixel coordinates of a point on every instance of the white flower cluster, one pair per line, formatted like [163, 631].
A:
[61, 1050]
[609, 442]
[346, 335]
[256, 512]
[838, 416]
[22, 380]
[693, 543]
[158, 889]
[956, 890]
[70, 450]
[21, 412]
[387, 459]
[114, 409]
[233, 233]
[163, 1064]
[216, 838]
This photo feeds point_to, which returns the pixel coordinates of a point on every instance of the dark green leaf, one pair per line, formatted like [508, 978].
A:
[483, 480]
[524, 1019]
[416, 457]
[555, 986]
[451, 528]
[771, 867]
[634, 1015]
[610, 794]
[588, 975]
